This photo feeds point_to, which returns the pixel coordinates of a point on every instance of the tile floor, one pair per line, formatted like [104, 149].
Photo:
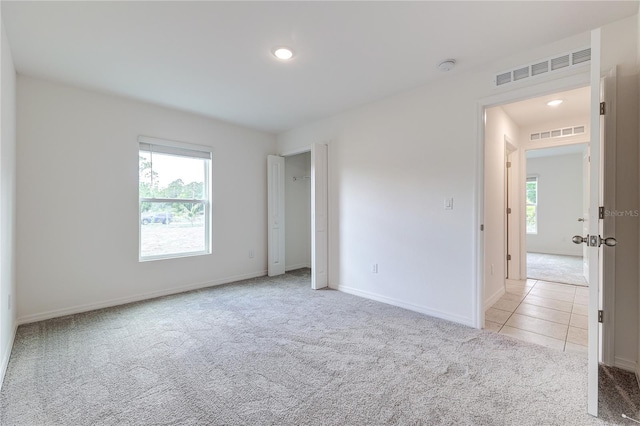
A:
[542, 312]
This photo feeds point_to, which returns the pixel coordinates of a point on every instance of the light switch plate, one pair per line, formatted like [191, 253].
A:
[448, 203]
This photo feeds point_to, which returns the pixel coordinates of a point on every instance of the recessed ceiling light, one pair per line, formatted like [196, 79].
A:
[283, 53]
[555, 102]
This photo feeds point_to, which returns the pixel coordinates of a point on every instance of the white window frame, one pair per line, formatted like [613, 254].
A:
[164, 146]
[537, 181]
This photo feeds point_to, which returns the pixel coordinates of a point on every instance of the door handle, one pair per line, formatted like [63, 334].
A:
[580, 219]
[609, 242]
[577, 239]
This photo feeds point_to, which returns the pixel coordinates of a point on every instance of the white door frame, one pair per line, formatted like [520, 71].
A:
[515, 95]
[319, 269]
[567, 83]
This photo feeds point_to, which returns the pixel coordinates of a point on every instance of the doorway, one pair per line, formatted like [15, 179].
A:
[277, 182]
[556, 203]
[533, 199]
[297, 189]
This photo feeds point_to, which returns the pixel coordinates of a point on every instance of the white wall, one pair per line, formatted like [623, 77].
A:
[560, 204]
[77, 235]
[7, 202]
[391, 165]
[619, 46]
[297, 211]
[498, 126]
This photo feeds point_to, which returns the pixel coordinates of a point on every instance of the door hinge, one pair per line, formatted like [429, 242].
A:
[601, 316]
[601, 212]
[482, 227]
[508, 164]
[508, 257]
[508, 210]
[603, 108]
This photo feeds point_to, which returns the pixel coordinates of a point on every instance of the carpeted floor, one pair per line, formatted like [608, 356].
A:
[556, 268]
[273, 351]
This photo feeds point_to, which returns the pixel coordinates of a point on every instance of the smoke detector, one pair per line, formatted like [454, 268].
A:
[447, 65]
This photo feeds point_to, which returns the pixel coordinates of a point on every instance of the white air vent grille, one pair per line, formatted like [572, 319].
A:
[581, 56]
[567, 131]
[540, 68]
[550, 65]
[561, 62]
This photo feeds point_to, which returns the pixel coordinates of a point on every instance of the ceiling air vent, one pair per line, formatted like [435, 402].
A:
[550, 65]
[540, 68]
[561, 62]
[567, 131]
[503, 78]
[581, 56]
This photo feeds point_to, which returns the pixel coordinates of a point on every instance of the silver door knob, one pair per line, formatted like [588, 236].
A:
[580, 219]
[609, 242]
[577, 239]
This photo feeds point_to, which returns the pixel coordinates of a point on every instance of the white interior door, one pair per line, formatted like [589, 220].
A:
[585, 212]
[319, 220]
[275, 215]
[595, 225]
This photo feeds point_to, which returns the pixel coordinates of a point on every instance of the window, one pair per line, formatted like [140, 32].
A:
[174, 191]
[532, 205]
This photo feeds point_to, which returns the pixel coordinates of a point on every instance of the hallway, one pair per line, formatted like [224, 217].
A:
[542, 312]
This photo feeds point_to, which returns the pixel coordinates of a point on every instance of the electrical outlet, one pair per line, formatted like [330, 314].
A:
[252, 254]
[374, 268]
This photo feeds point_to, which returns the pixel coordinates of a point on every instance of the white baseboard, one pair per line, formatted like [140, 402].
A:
[4, 362]
[410, 306]
[298, 266]
[557, 252]
[129, 299]
[625, 364]
[494, 298]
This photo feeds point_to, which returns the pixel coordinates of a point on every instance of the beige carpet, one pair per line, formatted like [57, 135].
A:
[555, 268]
[271, 351]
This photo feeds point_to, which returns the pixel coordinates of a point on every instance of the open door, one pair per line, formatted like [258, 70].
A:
[319, 220]
[595, 241]
[585, 212]
[275, 215]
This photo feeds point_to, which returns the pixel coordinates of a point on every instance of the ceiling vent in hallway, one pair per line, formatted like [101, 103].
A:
[557, 133]
[547, 66]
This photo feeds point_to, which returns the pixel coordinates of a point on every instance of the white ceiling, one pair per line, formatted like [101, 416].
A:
[532, 112]
[214, 58]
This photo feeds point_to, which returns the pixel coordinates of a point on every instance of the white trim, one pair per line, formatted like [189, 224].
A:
[295, 151]
[4, 362]
[410, 306]
[148, 140]
[494, 298]
[625, 364]
[137, 298]
[558, 252]
[609, 226]
[477, 236]
[297, 266]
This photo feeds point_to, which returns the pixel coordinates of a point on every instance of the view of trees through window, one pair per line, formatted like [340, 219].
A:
[532, 205]
[173, 204]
